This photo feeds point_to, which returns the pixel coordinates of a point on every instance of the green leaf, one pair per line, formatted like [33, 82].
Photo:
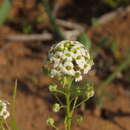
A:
[84, 39]
[4, 10]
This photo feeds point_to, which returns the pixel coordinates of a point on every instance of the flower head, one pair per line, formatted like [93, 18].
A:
[3, 110]
[69, 58]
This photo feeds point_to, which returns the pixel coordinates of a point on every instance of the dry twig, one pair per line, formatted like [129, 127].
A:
[24, 37]
[70, 25]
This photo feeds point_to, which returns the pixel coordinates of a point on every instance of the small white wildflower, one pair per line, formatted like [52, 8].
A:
[83, 52]
[86, 69]
[76, 54]
[68, 68]
[81, 62]
[4, 114]
[59, 54]
[3, 110]
[78, 45]
[78, 76]
[55, 72]
[68, 55]
[55, 61]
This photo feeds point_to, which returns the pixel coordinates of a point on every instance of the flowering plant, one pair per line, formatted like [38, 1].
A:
[4, 114]
[68, 62]
[3, 110]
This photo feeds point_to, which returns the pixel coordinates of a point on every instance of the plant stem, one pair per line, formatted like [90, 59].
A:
[61, 92]
[68, 110]
[8, 128]
[55, 127]
[68, 117]
[58, 99]
[13, 119]
[52, 20]
[75, 101]
[81, 102]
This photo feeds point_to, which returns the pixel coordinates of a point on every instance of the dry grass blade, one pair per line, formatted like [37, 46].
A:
[24, 37]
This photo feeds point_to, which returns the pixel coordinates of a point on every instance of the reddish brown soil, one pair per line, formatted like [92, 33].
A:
[24, 61]
[118, 30]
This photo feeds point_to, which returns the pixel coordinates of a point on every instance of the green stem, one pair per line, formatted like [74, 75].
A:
[13, 119]
[1, 125]
[68, 110]
[68, 119]
[68, 104]
[8, 128]
[58, 99]
[52, 20]
[61, 92]
[55, 127]
[81, 102]
[75, 101]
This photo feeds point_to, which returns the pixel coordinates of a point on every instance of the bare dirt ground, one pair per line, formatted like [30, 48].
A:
[24, 60]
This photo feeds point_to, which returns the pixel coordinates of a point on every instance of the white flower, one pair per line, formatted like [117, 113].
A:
[81, 62]
[78, 44]
[55, 72]
[5, 114]
[3, 110]
[76, 54]
[69, 58]
[78, 76]
[86, 69]
[68, 68]
[55, 61]
[59, 54]
[68, 55]
[61, 44]
[83, 51]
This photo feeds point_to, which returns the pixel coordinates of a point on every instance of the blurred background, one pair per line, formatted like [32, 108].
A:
[27, 30]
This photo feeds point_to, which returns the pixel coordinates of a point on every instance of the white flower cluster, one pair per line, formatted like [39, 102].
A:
[70, 58]
[3, 110]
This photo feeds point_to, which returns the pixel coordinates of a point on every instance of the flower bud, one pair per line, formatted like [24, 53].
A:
[52, 87]
[56, 107]
[79, 119]
[50, 121]
[89, 91]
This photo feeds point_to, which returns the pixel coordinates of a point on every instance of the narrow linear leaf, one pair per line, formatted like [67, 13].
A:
[4, 10]
[84, 39]
[52, 20]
